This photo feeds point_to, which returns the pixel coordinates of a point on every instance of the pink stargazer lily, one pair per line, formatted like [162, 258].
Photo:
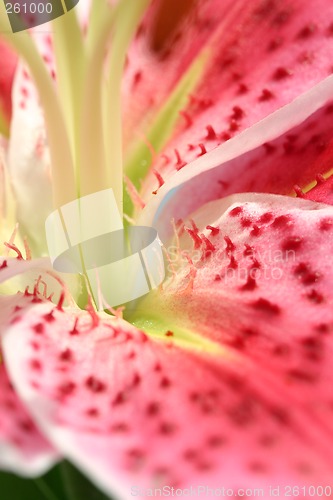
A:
[222, 376]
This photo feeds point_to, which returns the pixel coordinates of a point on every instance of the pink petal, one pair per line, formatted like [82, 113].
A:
[162, 47]
[28, 153]
[8, 66]
[22, 448]
[10, 268]
[263, 54]
[322, 191]
[130, 410]
[289, 147]
[29, 162]
[250, 250]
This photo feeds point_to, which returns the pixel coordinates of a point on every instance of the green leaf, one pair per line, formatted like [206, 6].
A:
[63, 482]
[48, 487]
[77, 486]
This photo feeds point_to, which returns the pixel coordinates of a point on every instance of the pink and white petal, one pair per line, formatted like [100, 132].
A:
[29, 162]
[246, 251]
[10, 267]
[259, 281]
[290, 42]
[28, 153]
[23, 449]
[37, 278]
[168, 40]
[131, 410]
[291, 146]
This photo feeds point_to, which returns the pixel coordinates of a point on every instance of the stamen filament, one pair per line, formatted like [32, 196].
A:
[99, 12]
[93, 175]
[70, 58]
[128, 15]
[4, 129]
[306, 189]
[101, 160]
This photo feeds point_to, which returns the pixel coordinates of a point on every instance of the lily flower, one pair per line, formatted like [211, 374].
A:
[221, 377]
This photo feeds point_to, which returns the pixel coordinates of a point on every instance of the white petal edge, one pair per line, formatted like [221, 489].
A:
[12, 461]
[16, 267]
